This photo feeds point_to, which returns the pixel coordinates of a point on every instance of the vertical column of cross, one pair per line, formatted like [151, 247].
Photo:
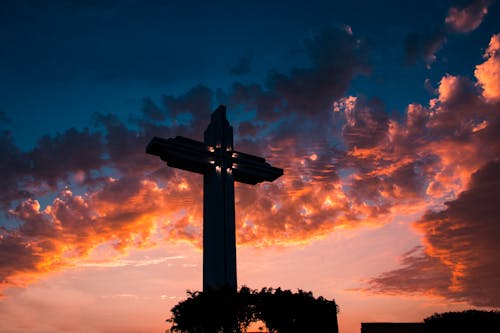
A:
[219, 240]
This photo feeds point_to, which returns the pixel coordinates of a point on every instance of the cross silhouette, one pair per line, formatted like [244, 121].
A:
[221, 166]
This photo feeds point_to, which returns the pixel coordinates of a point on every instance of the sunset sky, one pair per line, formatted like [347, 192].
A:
[384, 115]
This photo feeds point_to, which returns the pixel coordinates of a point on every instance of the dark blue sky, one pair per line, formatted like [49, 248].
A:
[62, 61]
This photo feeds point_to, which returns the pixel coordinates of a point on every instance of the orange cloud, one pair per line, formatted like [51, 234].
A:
[125, 213]
[488, 73]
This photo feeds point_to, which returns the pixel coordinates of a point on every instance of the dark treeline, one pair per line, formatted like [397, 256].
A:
[226, 310]
[471, 321]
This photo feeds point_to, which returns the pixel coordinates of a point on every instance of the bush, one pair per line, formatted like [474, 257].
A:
[472, 321]
[226, 310]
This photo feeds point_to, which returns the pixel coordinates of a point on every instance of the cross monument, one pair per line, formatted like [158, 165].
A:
[220, 166]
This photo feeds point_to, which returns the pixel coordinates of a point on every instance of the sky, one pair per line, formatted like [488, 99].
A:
[385, 117]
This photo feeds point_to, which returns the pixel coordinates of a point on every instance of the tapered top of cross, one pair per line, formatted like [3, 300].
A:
[216, 152]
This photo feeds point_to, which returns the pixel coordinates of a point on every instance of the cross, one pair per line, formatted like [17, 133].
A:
[220, 166]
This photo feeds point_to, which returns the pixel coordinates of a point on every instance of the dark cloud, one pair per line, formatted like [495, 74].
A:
[248, 128]
[458, 108]
[188, 112]
[125, 146]
[419, 273]
[14, 166]
[489, 138]
[54, 158]
[461, 257]
[335, 55]
[423, 46]
[17, 256]
[367, 124]
[152, 111]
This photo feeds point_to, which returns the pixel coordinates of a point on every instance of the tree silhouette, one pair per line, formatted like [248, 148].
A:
[211, 311]
[286, 312]
[226, 310]
[472, 321]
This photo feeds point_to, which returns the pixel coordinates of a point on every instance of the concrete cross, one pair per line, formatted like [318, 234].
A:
[221, 166]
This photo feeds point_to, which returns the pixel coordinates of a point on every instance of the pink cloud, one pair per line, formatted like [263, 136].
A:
[468, 18]
[488, 73]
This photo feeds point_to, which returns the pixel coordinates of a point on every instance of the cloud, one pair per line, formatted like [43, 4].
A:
[488, 73]
[151, 111]
[54, 159]
[125, 213]
[125, 146]
[248, 128]
[133, 263]
[469, 18]
[367, 124]
[419, 273]
[423, 46]
[14, 166]
[460, 259]
[335, 56]
[452, 154]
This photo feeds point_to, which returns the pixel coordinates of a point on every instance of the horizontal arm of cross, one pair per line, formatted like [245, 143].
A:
[182, 153]
[250, 169]
[196, 156]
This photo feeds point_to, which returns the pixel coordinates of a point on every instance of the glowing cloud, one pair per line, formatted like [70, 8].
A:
[488, 73]
[468, 18]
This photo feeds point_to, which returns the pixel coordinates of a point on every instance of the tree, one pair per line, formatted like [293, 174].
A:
[286, 312]
[472, 321]
[213, 311]
[226, 310]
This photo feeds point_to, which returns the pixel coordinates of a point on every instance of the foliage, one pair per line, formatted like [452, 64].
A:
[214, 310]
[286, 312]
[466, 321]
[226, 310]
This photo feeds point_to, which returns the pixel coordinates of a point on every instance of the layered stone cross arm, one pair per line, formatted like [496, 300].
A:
[195, 156]
[251, 169]
[182, 153]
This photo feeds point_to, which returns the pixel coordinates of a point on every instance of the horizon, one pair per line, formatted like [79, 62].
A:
[387, 127]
